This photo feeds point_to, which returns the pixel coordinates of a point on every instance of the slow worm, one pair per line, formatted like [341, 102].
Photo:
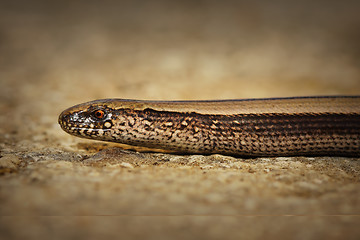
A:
[308, 126]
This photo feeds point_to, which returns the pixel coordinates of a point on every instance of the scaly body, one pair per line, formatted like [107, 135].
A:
[257, 127]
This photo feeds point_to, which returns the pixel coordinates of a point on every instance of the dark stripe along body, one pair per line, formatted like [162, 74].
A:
[264, 132]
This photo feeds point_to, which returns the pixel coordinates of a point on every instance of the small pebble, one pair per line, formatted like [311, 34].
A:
[9, 161]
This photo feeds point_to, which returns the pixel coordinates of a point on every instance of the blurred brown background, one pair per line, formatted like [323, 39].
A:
[55, 54]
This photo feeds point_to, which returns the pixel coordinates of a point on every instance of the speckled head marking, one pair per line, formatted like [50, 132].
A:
[91, 120]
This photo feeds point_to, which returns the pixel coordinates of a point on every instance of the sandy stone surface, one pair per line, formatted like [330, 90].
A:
[55, 55]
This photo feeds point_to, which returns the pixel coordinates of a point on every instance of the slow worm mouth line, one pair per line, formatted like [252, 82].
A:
[84, 129]
[313, 126]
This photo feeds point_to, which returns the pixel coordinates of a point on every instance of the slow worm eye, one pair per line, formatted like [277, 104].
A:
[99, 114]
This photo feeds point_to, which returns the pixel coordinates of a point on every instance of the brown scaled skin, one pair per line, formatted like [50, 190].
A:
[310, 126]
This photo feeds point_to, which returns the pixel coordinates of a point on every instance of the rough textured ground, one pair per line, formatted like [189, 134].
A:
[55, 55]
